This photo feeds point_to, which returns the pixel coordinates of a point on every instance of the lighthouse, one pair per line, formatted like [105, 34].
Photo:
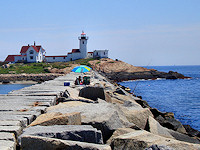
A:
[83, 45]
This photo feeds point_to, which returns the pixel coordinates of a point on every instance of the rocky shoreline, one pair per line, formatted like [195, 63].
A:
[39, 78]
[125, 76]
[118, 71]
[166, 119]
[101, 116]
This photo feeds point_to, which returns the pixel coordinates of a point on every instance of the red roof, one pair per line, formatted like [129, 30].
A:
[75, 51]
[83, 33]
[11, 58]
[25, 48]
[38, 47]
[90, 52]
[69, 53]
[35, 48]
[57, 56]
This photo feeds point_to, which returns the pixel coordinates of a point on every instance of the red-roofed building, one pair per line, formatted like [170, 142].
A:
[30, 53]
[13, 58]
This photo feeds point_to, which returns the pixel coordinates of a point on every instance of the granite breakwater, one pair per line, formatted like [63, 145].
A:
[99, 116]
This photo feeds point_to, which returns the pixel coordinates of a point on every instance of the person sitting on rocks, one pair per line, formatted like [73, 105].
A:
[77, 81]
[80, 80]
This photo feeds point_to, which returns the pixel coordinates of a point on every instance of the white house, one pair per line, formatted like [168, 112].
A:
[100, 54]
[28, 53]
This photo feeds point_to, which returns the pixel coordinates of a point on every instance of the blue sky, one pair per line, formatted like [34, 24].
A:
[140, 32]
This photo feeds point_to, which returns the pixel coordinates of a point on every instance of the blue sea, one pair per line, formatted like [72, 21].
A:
[6, 88]
[181, 96]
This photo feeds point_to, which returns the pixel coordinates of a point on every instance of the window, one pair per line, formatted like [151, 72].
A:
[31, 57]
[63, 57]
[97, 53]
[104, 53]
[31, 52]
[53, 57]
[83, 42]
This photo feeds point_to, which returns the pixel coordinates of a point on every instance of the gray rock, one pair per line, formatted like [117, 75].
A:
[154, 127]
[157, 147]
[92, 93]
[7, 145]
[10, 123]
[183, 137]
[41, 143]
[119, 132]
[141, 139]
[136, 115]
[82, 133]
[7, 136]
[103, 116]
[17, 130]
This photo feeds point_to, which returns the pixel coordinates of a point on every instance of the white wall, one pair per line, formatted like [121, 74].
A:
[56, 59]
[89, 55]
[34, 55]
[101, 53]
[17, 58]
[74, 56]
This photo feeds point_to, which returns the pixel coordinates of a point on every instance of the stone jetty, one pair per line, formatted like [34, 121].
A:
[99, 116]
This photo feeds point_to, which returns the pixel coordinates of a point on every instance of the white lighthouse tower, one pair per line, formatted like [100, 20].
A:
[83, 45]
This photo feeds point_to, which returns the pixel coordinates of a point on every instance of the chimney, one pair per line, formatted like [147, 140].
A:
[34, 43]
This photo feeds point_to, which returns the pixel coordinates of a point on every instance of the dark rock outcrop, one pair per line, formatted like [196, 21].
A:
[191, 131]
[92, 93]
[153, 74]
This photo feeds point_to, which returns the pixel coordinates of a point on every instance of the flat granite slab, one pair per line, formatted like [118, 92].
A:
[82, 133]
[41, 143]
[7, 136]
[7, 145]
[17, 130]
[10, 123]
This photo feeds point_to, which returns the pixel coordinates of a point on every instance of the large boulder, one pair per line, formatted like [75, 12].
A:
[50, 119]
[154, 127]
[92, 93]
[119, 132]
[103, 116]
[82, 133]
[136, 115]
[141, 139]
[41, 143]
[166, 119]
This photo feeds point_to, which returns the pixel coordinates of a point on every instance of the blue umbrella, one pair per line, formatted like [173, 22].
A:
[81, 69]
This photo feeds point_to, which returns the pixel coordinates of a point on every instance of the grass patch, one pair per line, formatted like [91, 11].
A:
[35, 68]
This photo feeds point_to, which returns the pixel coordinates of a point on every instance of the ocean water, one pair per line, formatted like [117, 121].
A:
[181, 96]
[6, 88]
